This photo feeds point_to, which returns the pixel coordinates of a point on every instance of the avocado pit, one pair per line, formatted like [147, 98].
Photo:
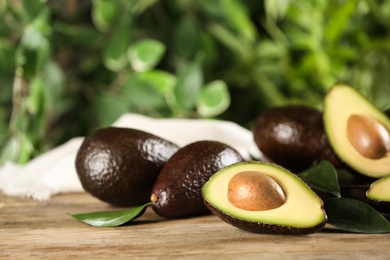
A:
[255, 191]
[368, 136]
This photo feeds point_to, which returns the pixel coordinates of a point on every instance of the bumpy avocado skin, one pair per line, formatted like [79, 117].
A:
[120, 165]
[178, 187]
[293, 136]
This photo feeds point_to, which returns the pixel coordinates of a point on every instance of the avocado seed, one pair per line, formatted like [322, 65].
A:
[368, 136]
[255, 191]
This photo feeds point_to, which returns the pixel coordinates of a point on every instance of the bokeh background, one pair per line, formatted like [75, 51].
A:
[70, 67]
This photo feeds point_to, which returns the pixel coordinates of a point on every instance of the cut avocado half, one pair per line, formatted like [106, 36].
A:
[358, 132]
[301, 212]
[378, 194]
[380, 189]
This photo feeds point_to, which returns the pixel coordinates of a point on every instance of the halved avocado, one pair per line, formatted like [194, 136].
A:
[358, 132]
[379, 194]
[301, 213]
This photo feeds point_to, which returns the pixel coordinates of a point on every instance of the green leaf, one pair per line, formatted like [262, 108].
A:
[108, 108]
[7, 61]
[187, 37]
[213, 99]
[337, 22]
[323, 177]
[163, 81]
[36, 100]
[10, 151]
[189, 84]
[145, 54]
[34, 48]
[355, 216]
[139, 6]
[143, 94]
[105, 13]
[276, 9]
[80, 35]
[26, 148]
[53, 77]
[238, 18]
[229, 39]
[115, 53]
[31, 8]
[111, 218]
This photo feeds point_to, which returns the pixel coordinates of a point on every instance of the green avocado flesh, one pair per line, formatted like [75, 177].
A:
[302, 212]
[380, 189]
[340, 103]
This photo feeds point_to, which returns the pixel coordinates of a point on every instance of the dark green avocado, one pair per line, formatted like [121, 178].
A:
[177, 191]
[295, 209]
[293, 136]
[120, 165]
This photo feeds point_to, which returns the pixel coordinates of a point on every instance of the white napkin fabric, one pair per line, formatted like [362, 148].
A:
[54, 171]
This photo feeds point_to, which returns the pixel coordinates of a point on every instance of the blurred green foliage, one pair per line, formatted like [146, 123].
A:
[68, 67]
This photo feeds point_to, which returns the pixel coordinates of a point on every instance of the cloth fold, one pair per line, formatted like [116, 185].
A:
[54, 171]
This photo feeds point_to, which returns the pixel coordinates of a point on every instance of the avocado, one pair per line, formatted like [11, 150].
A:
[120, 165]
[177, 191]
[358, 132]
[289, 206]
[293, 137]
[378, 194]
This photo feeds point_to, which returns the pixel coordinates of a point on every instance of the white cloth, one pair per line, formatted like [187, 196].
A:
[54, 171]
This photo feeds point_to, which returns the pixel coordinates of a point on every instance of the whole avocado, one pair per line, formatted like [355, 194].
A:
[177, 191]
[293, 136]
[120, 165]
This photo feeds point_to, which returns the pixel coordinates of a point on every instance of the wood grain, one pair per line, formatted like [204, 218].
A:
[31, 229]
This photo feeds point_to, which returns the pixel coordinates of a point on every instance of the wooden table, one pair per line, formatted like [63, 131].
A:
[31, 229]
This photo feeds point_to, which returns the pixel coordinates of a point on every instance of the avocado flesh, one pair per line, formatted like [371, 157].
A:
[340, 103]
[380, 189]
[378, 195]
[302, 212]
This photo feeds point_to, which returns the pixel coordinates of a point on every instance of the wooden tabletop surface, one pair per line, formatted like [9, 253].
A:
[31, 229]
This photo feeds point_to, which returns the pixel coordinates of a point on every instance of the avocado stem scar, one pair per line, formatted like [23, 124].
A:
[154, 198]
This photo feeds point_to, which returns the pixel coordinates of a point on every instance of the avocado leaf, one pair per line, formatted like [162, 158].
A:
[355, 216]
[111, 218]
[323, 177]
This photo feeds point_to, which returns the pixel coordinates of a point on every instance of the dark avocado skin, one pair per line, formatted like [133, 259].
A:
[381, 206]
[387, 112]
[178, 187]
[358, 192]
[257, 227]
[120, 165]
[293, 136]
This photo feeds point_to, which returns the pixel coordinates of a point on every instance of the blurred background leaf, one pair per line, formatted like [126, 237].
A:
[145, 54]
[69, 67]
